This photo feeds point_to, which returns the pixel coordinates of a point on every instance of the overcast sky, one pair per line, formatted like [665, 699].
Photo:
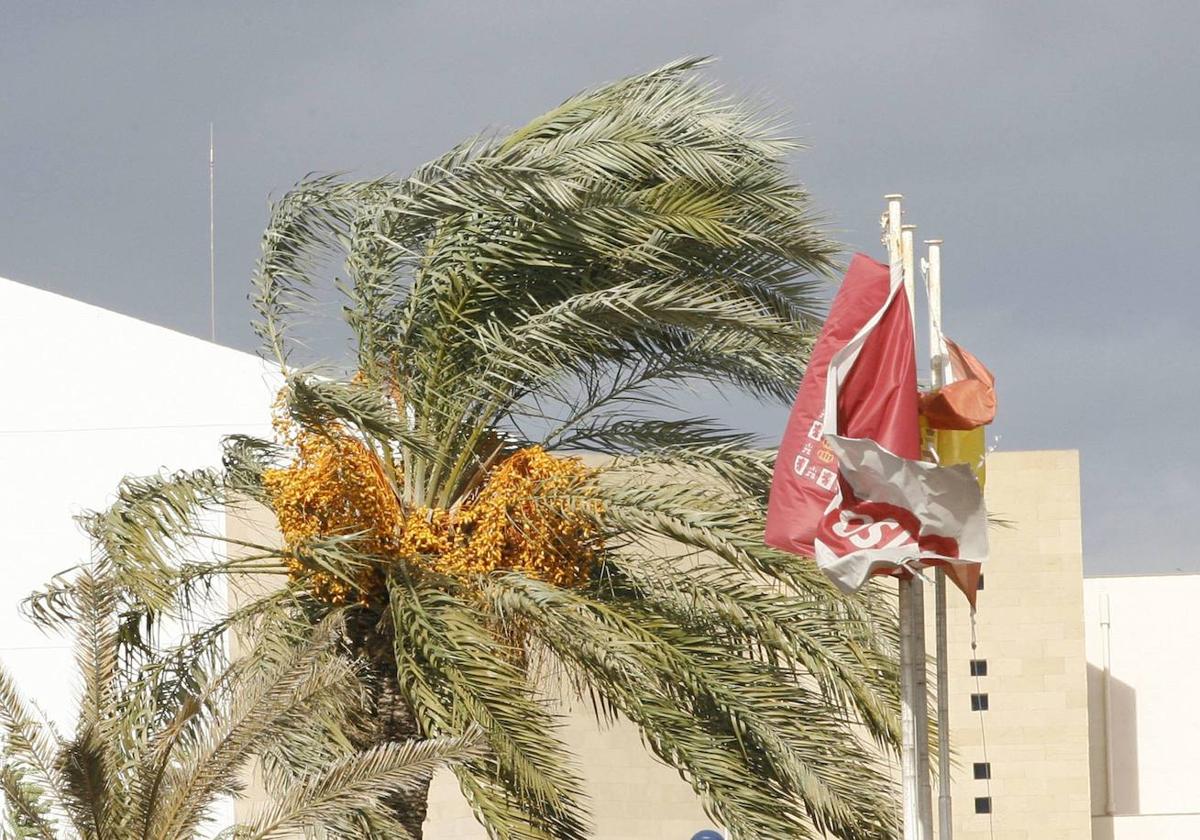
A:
[1053, 145]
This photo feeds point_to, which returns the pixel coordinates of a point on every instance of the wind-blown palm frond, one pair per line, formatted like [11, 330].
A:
[154, 749]
[466, 680]
[518, 299]
[340, 795]
[33, 781]
[661, 674]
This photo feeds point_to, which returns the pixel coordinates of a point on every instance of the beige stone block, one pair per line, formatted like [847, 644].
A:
[1063, 647]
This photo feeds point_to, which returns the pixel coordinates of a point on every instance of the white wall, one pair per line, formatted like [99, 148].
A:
[88, 397]
[1153, 734]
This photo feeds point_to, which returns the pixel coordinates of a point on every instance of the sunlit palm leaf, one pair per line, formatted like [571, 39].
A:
[156, 746]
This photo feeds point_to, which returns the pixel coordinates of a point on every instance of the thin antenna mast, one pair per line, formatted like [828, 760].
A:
[212, 250]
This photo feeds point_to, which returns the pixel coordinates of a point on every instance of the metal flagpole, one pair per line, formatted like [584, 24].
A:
[920, 678]
[912, 704]
[910, 287]
[937, 377]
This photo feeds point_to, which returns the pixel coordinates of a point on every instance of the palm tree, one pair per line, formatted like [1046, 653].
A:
[517, 302]
[152, 753]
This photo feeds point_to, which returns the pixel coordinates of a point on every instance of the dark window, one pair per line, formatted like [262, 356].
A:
[983, 804]
[979, 588]
[979, 702]
[978, 667]
[983, 770]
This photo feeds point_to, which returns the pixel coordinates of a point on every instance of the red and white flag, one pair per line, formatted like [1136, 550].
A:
[868, 323]
[848, 487]
[896, 514]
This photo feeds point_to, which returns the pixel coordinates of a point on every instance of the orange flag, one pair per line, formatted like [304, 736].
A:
[969, 401]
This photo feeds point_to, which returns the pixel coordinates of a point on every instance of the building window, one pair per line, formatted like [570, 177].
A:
[983, 804]
[979, 702]
[978, 667]
[983, 770]
[979, 588]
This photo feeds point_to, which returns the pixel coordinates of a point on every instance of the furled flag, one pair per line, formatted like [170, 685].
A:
[869, 321]
[953, 416]
[869, 506]
[968, 400]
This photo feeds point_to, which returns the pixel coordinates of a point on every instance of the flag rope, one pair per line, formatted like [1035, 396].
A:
[983, 731]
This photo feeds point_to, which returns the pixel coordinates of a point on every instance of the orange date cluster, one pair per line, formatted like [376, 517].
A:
[531, 513]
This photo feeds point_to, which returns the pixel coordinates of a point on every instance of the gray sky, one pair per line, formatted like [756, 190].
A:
[1052, 145]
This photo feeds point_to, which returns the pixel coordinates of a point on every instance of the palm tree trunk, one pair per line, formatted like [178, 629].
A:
[397, 724]
[394, 717]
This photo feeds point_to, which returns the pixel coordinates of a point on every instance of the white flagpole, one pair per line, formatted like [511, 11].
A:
[910, 287]
[912, 704]
[937, 376]
[920, 677]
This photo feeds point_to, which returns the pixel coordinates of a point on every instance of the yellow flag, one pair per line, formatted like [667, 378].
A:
[955, 447]
[967, 448]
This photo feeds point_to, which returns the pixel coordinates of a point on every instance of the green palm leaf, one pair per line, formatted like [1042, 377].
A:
[156, 745]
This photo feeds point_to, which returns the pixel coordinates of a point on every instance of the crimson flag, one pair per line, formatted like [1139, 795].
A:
[874, 387]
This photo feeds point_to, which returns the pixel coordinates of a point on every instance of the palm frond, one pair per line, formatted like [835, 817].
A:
[753, 747]
[27, 811]
[808, 634]
[152, 749]
[454, 675]
[354, 784]
[29, 747]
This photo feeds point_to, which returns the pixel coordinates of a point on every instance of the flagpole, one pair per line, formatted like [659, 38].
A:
[912, 703]
[920, 676]
[937, 377]
[910, 287]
